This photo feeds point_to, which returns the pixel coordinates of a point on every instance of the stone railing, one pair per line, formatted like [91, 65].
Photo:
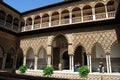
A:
[37, 26]
[111, 14]
[45, 24]
[100, 16]
[65, 21]
[27, 28]
[76, 19]
[2, 22]
[15, 27]
[8, 25]
[87, 17]
[54, 23]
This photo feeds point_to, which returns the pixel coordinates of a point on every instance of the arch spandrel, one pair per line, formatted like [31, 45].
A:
[79, 44]
[53, 37]
[27, 51]
[88, 39]
[40, 48]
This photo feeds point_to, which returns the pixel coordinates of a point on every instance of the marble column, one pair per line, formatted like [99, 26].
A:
[50, 16]
[81, 15]
[70, 21]
[107, 63]
[60, 18]
[49, 50]
[49, 60]
[24, 60]
[106, 11]
[36, 62]
[4, 61]
[89, 62]
[93, 13]
[32, 23]
[14, 62]
[110, 70]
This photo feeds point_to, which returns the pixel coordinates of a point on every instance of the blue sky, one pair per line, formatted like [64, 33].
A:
[25, 5]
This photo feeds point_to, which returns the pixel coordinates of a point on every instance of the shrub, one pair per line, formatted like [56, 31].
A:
[83, 71]
[22, 69]
[48, 71]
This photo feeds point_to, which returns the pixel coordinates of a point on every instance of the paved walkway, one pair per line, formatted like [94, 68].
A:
[75, 76]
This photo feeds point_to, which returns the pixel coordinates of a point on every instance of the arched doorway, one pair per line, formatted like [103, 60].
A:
[42, 59]
[10, 59]
[1, 56]
[97, 56]
[80, 57]
[115, 58]
[59, 45]
[30, 59]
[65, 60]
[19, 59]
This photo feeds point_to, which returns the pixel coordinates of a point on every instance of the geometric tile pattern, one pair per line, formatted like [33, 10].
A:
[34, 43]
[88, 39]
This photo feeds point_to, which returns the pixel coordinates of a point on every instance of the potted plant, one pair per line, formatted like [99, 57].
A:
[48, 71]
[83, 71]
[22, 69]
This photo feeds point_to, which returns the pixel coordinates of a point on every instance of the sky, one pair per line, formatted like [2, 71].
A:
[25, 5]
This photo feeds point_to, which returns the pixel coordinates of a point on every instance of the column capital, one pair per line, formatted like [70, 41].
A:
[49, 55]
[71, 54]
[50, 13]
[36, 55]
[49, 45]
[108, 53]
[69, 43]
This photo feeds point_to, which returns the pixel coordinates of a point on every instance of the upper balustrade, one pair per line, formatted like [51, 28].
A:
[76, 14]
[8, 22]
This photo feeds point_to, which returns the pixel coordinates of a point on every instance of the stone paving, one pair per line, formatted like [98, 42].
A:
[75, 76]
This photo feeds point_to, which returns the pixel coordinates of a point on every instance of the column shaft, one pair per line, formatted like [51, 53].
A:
[70, 62]
[93, 13]
[36, 62]
[107, 63]
[50, 20]
[49, 60]
[41, 22]
[4, 61]
[32, 23]
[24, 60]
[90, 63]
[81, 15]
[59, 18]
[70, 21]
[110, 63]
[106, 11]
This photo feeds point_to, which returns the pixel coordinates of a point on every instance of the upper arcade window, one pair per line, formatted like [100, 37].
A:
[111, 9]
[65, 17]
[37, 22]
[100, 11]
[87, 13]
[110, 6]
[76, 15]
[9, 21]
[2, 15]
[45, 20]
[2, 18]
[29, 24]
[22, 26]
[16, 24]
[55, 19]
